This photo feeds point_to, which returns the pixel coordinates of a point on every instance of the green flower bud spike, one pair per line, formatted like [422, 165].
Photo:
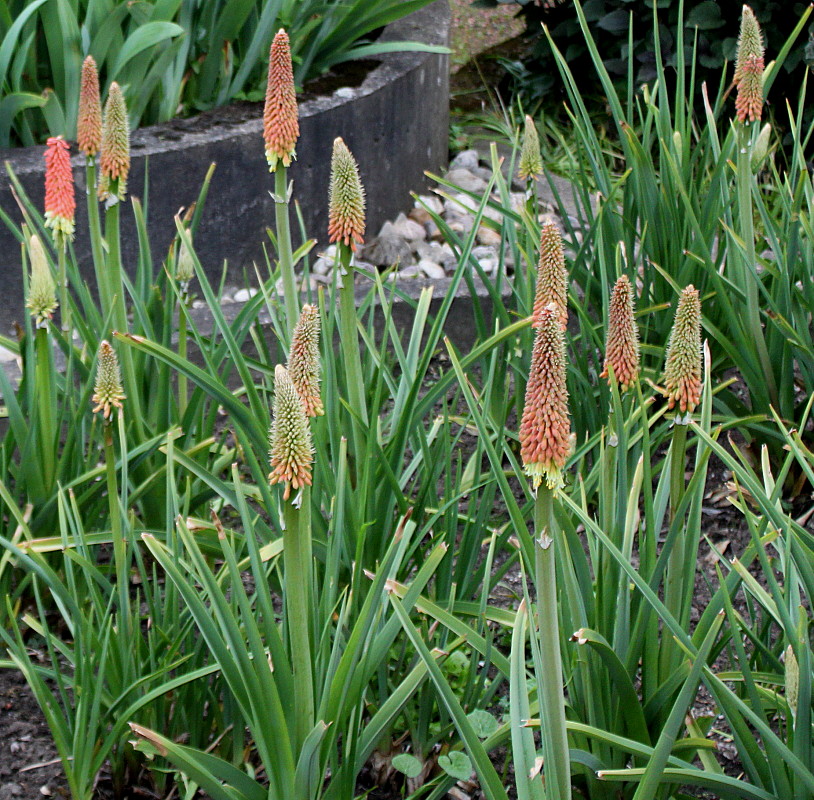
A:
[792, 681]
[291, 450]
[42, 291]
[303, 361]
[530, 166]
[346, 199]
[109, 391]
[552, 277]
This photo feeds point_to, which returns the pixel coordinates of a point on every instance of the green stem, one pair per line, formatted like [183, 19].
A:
[550, 691]
[65, 309]
[46, 399]
[95, 231]
[350, 351]
[750, 276]
[182, 353]
[117, 533]
[284, 252]
[297, 588]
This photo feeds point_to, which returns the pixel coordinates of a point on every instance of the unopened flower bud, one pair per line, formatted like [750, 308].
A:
[109, 391]
[42, 297]
[545, 429]
[530, 165]
[682, 372]
[346, 199]
[281, 127]
[622, 344]
[60, 203]
[792, 680]
[303, 360]
[552, 277]
[749, 68]
[89, 120]
[291, 452]
[114, 162]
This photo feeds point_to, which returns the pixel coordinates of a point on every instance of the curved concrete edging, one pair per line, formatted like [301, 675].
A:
[396, 124]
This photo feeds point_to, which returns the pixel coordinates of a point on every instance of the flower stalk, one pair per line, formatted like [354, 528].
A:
[545, 444]
[280, 132]
[291, 458]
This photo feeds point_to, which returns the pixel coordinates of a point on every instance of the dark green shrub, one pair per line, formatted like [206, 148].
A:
[623, 29]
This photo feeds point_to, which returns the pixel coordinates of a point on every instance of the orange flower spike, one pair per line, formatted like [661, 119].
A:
[346, 198]
[89, 122]
[303, 360]
[545, 429]
[749, 67]
[291, 451]
[682, 372]
[281, 128]
[115, 159]
[60, 203]
[552, 276]
[622, 345]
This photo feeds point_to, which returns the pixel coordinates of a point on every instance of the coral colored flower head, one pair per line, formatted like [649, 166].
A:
[749, 69]
[346, 199]
[114, 162]
[303, 360]
[60, 203]
[291, 451]
[552, 277]
[89, 121]
[622, 345]
[530, 165]
[281, 127]
[545, 429]
[108, 392]
[42, 296]
[682, 372]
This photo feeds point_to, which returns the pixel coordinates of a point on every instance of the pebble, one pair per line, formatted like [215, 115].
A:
[412, 271]
[322, 266]
[431, 269]
[6, 355]
[466, 159]
[407, 228]
[488, 237]
[464, 179]
[243, 295]
[432, 203]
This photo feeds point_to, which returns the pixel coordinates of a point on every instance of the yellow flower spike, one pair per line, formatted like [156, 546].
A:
[303, 360]
[346, 199]
[291, 451]
[545, 428]
[552, 277]
[622, 344]
[108, 392]
[682, 371]
[281, 128]
[114, 162]
[89, 120]
[42, 293]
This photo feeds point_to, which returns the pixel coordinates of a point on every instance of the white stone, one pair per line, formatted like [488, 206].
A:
[487, 264]
[6, 355]
[322, 266]
[430, 202]
[409, 272]
[431, 269]
[243, 295]
[408, 229]
[464, 179]
[466, 159]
